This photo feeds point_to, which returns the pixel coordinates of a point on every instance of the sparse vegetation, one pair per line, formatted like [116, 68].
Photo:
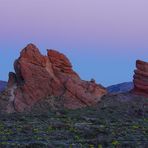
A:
[118, 121]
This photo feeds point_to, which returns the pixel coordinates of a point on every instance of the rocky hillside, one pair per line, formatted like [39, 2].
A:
[120, 88]
[119, 120]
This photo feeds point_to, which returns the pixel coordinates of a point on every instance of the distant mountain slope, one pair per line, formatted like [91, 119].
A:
[3, 84]
[119, 88]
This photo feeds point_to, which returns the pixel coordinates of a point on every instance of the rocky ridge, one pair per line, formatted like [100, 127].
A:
[120, 88]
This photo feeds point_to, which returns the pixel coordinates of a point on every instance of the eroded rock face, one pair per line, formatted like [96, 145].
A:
[37, 76]
[141, 78]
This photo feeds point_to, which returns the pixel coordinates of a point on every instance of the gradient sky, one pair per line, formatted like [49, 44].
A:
[102, 38]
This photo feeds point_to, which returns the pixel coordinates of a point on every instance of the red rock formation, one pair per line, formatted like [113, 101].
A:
[39, 76]
[141, 78]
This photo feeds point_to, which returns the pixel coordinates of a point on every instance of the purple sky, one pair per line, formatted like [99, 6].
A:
[102, 38]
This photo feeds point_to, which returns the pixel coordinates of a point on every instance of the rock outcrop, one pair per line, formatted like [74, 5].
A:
[37, 77]
[141, 78]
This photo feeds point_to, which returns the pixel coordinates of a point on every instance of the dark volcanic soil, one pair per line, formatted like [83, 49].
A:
[118, 121]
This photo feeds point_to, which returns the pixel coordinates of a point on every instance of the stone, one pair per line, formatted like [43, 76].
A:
[141, 78]
[37, 76]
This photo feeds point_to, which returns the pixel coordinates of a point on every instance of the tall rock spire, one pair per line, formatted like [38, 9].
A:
[141, 78]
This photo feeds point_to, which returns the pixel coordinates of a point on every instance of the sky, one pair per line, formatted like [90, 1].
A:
[102, 38]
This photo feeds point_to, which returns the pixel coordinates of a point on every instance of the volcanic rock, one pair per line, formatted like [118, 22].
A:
[141, 78]
[37, 76]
